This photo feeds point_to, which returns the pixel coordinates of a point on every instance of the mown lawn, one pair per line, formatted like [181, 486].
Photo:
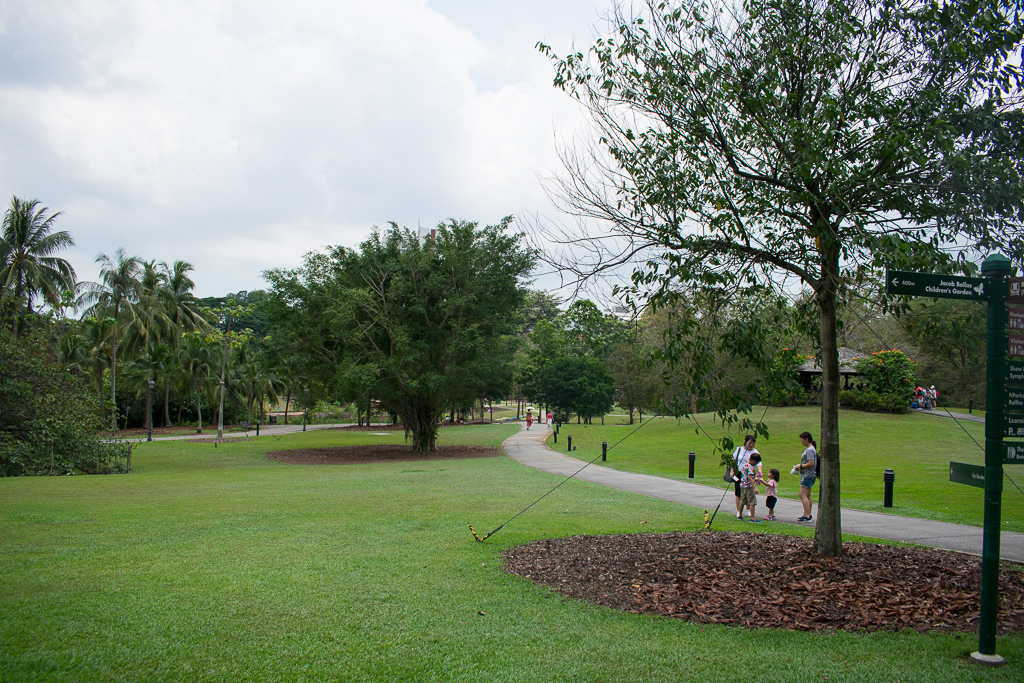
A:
[917, 447]
[216, 564]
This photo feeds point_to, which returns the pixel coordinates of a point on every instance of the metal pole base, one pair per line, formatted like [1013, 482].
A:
[988, 660]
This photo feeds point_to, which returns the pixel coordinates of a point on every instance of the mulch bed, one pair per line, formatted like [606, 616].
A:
[767, 581]
[351, 455]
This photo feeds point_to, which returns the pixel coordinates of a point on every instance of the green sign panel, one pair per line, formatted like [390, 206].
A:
[1013, 425]
[1013, 452]
[930, 284]
[1014, 372]
[1014, 398]
[962, 473]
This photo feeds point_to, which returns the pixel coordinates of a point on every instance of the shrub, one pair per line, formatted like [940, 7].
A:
[873, 401]
[47, 423]
[890, 374]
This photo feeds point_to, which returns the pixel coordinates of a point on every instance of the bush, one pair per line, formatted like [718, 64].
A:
[873, 401]
[890, 373]
[47, 421]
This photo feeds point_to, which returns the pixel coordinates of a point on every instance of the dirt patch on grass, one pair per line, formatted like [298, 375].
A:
[373, 453]
[766, 581]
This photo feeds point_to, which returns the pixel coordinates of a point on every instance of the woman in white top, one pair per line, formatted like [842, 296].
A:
[739, 459]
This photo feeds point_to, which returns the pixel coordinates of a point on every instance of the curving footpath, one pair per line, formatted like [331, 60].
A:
[530, 449]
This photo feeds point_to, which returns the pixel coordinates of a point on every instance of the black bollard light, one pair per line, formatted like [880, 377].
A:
[568, 440]
[888, 477]
[556, 436]
[693, 459]
[970, 407]
[257, 429]
[604, 451]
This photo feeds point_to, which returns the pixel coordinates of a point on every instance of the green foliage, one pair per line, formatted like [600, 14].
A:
[48, 423]
[874, 401]
[890, 373]
[422, 327]
[578, 385]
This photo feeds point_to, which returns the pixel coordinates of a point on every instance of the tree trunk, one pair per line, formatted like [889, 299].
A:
[199, 408]
[113, 378]
[167, 406]
[287, 402]
[828, 536]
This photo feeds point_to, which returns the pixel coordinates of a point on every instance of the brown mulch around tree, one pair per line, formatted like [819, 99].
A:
[350, 455]
[767, 581]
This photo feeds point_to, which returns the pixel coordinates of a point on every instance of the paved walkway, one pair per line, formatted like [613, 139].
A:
[529, 448]
[963, 417]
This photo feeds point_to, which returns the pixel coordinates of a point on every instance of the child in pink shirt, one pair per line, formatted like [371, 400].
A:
[771, 492]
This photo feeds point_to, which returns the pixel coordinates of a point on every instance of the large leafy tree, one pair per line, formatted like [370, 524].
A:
[776, 142]
[578, 385]
[28, 267]
[424, 316]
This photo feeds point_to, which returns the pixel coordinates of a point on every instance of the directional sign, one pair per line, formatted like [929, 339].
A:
[1015, 290]
[1016, 318]
[1014, 398]
[962, 473]
[1013, 452]
[1013, 425]
[932, 284]
[1016, 344]
[1014, 371]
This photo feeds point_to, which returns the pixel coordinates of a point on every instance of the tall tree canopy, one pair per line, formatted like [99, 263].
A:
[419, 324]
[812, 141]
[28, 267]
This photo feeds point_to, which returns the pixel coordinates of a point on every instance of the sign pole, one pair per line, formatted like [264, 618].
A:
[995, 269]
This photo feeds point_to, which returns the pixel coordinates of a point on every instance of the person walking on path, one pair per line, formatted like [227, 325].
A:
[748, 484]
[550, 419]
[771, 493]
[739, 459]
[529, 419]
[806, 471]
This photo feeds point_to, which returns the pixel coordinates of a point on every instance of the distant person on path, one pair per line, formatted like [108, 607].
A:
[933, 396]
[806, 471]
[748, 491]
[739, 459]
[529, 419]
[771, 493]
[550, 419]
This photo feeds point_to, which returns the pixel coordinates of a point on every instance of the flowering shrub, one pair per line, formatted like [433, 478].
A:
[890, 379]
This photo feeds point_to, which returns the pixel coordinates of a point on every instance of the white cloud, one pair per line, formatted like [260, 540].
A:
[205, 130]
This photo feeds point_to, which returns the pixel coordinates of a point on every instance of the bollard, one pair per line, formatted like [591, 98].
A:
[568, 441]
[693, 459]
[556, 436]
[257, 429]
[604, 451]
[888, 477]
[970, 407]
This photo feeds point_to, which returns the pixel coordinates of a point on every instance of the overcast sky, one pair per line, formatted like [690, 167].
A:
[240, 134]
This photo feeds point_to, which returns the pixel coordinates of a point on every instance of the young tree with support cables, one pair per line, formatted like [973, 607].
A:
[759, 146]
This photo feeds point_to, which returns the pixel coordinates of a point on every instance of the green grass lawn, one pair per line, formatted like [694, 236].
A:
[217, 564]
[917, 447]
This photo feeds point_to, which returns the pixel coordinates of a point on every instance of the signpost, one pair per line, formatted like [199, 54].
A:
[941, 286]
[963, 473]
[1016, 318]
[1013, 452]
[1015, 290]
[1005, 390]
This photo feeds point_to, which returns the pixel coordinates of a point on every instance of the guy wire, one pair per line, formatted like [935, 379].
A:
[488, 535]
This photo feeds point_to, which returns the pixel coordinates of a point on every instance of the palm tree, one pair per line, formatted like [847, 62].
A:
[115, 296]
[27, 266]
[195, 357]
